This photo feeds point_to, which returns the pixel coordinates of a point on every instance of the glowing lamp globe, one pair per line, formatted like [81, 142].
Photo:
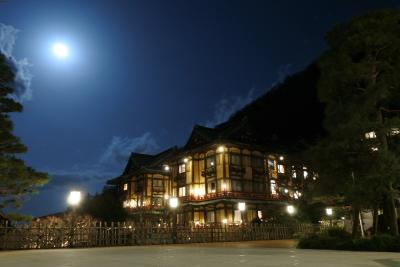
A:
[74, 198]
[173, 202]
[290, 209]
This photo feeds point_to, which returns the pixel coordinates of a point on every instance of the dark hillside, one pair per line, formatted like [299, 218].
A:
[289, 115]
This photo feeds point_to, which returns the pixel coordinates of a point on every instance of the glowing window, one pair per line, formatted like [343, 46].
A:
[125, 187]
[294, 174]
[182, 168]
[182, 191]
[370, 135]
[395, 131]
[273, 187]
[271, 164]
[281, 168]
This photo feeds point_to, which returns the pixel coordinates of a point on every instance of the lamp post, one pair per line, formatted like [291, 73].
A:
[73, 199]
[329, 213]
[173, 204]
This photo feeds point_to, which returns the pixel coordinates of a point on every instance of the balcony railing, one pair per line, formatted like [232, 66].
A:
[230, 195]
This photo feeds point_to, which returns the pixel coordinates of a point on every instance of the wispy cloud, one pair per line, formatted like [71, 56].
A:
[120, 148]
[227, 106]
[109, 165]
[21, 67]
[283, 72]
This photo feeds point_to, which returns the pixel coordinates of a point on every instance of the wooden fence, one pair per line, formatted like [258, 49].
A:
[97, 234]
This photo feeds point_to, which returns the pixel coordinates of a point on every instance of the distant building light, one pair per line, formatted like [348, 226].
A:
[221, 149]
[374, 149]
[329, 211]
[370, 135]
[212, 163]
[395, 131]
[281, 158]
[225, 221]
[242, 206]
[166, 168]
[125, 187]
[343, 218]
[185, 160]
[286, 190]
[166, 196]
[259, 214]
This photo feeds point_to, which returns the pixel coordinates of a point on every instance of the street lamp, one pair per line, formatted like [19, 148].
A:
[290, 209]
[74, 198]
[173, 204]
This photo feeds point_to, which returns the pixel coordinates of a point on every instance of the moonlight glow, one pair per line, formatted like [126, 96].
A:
[60, 50]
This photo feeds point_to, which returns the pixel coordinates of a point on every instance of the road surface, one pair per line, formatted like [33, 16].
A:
[257, 253]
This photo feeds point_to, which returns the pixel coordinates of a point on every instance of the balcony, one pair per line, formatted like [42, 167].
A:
[230, 195]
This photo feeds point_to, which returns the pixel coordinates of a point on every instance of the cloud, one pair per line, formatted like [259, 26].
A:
[21, 67]
[283, 72]
[226, 107]
[120, 148]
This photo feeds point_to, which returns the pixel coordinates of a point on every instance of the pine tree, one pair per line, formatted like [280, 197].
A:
[360, 87]
[16, 179]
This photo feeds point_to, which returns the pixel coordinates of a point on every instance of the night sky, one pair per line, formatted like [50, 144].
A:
[140, 74]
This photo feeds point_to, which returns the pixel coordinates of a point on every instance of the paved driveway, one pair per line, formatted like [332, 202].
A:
[258, 253]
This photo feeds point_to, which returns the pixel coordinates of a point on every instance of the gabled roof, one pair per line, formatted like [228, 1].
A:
[235, 133]
[144, 163]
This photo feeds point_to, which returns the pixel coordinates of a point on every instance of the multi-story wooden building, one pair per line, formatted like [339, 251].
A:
[220, 176]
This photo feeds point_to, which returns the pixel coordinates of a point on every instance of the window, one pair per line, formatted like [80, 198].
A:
[395, 131]
[235, 159]
[370, 135]
[294, 174]
[182, 191]
[157, 183]
[271, 164]
[305, 173]
[211, 187]
[210, 162]
[257, 162]
[273, 187]
[125, 187]
[236, 186]
[281, 168]
[210, 216]
[182, 168]
[237, 216]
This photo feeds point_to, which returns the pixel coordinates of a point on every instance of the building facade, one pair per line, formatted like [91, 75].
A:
[219, 177]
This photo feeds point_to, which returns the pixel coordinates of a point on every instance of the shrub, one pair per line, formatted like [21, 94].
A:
[338, 239]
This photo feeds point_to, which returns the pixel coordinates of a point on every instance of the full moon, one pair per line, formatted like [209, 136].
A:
[60, 50]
